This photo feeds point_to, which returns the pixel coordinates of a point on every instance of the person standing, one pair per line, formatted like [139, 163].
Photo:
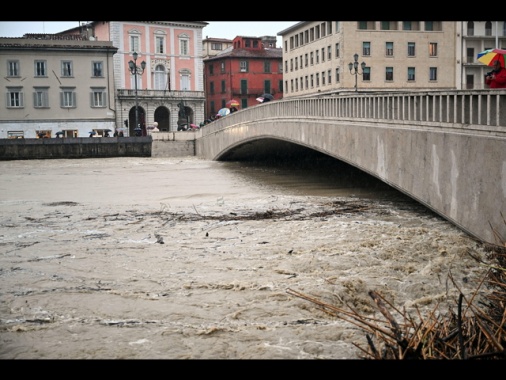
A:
[497, 77]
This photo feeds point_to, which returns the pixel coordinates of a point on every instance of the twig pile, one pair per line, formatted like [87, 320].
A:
[470, 333]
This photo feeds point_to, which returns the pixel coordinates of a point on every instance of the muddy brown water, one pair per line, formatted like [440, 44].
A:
[183, 258]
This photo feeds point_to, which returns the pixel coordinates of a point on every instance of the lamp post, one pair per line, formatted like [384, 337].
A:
[136, 70]
[354, 68]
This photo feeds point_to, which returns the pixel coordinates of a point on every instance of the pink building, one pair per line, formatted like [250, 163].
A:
[169, 71]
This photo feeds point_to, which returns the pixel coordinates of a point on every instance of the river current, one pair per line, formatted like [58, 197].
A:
[184, 258]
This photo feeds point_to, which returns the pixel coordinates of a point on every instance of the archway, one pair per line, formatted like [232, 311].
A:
[131, 122]
[162, 117]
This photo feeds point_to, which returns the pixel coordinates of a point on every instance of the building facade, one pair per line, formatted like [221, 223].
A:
[407, 55]
[251, 67]
[172, 78]
[56, 86]
[473, 38]
[214, 46]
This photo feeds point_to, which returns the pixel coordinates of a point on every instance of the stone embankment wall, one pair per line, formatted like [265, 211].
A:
[163, 144]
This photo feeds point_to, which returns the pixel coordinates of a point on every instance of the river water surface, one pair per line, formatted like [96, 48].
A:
[184, 258]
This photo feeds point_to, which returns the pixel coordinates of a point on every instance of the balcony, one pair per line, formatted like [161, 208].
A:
[158, 94]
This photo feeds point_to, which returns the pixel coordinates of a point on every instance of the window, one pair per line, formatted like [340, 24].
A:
[211, 69]
[291, 64]
[183, 46]
[317, 80]
[267, 66]
[223, 87]
[389, 46]
[40, 97]
[222, 67]
[366, 48]
[367, 73]
[323, 54]
[185, 80]
[337, 50]
[307, 82]
[385, 25]
[267, 86]
[13, 69]
[280, 84]
[429, 26]
[411, 49]
[337, 75]
[329, 51]
[312, 81]
[134, 43]
[311, 58]
[66, 69]
[330, 76]
[244, 87]
[411, 74]
[216, 46]
[362, 25]
[160, 43]
[67, 98]
[15, 97]
[488, 28]
[306, 59]
[406, 25]
[98, 97]
[160, 78]
[389, 74]
[211, 88]
[296, 63]
[296, 84]
[286, 66]
[243, 65]
[317, 56]
[470, 28]
[470, 55]
[97, 69]
[323, 78]
[433, 49]
[301, 83]
[40, 69]
[432, 73]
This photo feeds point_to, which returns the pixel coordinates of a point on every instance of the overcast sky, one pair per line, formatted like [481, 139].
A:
[215, 29]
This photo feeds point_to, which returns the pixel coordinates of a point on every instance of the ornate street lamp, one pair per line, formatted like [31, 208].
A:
[136, 70]
[354, 68]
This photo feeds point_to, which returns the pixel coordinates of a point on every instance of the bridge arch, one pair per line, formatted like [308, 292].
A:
[433, 147]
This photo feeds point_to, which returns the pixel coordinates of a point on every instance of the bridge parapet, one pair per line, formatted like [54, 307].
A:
[478, 110]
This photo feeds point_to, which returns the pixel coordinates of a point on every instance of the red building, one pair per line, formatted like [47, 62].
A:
[251, 67]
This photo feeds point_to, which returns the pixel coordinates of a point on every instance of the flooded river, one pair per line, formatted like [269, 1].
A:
[184, 258]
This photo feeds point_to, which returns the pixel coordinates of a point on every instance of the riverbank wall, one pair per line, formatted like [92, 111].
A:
[164, 144]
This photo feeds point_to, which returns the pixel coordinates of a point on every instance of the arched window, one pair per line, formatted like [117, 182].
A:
[470, 28]
[160, 78]
[488, 28]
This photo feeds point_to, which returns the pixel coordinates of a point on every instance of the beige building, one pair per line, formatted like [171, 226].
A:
[391, 55]
[473, 38]
[211, 47]
[52, 84]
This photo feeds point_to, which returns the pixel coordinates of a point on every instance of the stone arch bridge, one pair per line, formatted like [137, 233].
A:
[445, 149]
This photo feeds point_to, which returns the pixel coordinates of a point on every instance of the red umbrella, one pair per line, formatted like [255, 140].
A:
[232, 103]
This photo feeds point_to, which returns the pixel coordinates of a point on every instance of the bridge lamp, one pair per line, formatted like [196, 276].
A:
[353, 66]
[136, 70]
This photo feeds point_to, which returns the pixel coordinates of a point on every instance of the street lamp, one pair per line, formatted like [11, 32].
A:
[136, 70]
[354, 68]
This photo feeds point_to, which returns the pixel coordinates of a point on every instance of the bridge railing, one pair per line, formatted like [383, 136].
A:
[479, 110]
